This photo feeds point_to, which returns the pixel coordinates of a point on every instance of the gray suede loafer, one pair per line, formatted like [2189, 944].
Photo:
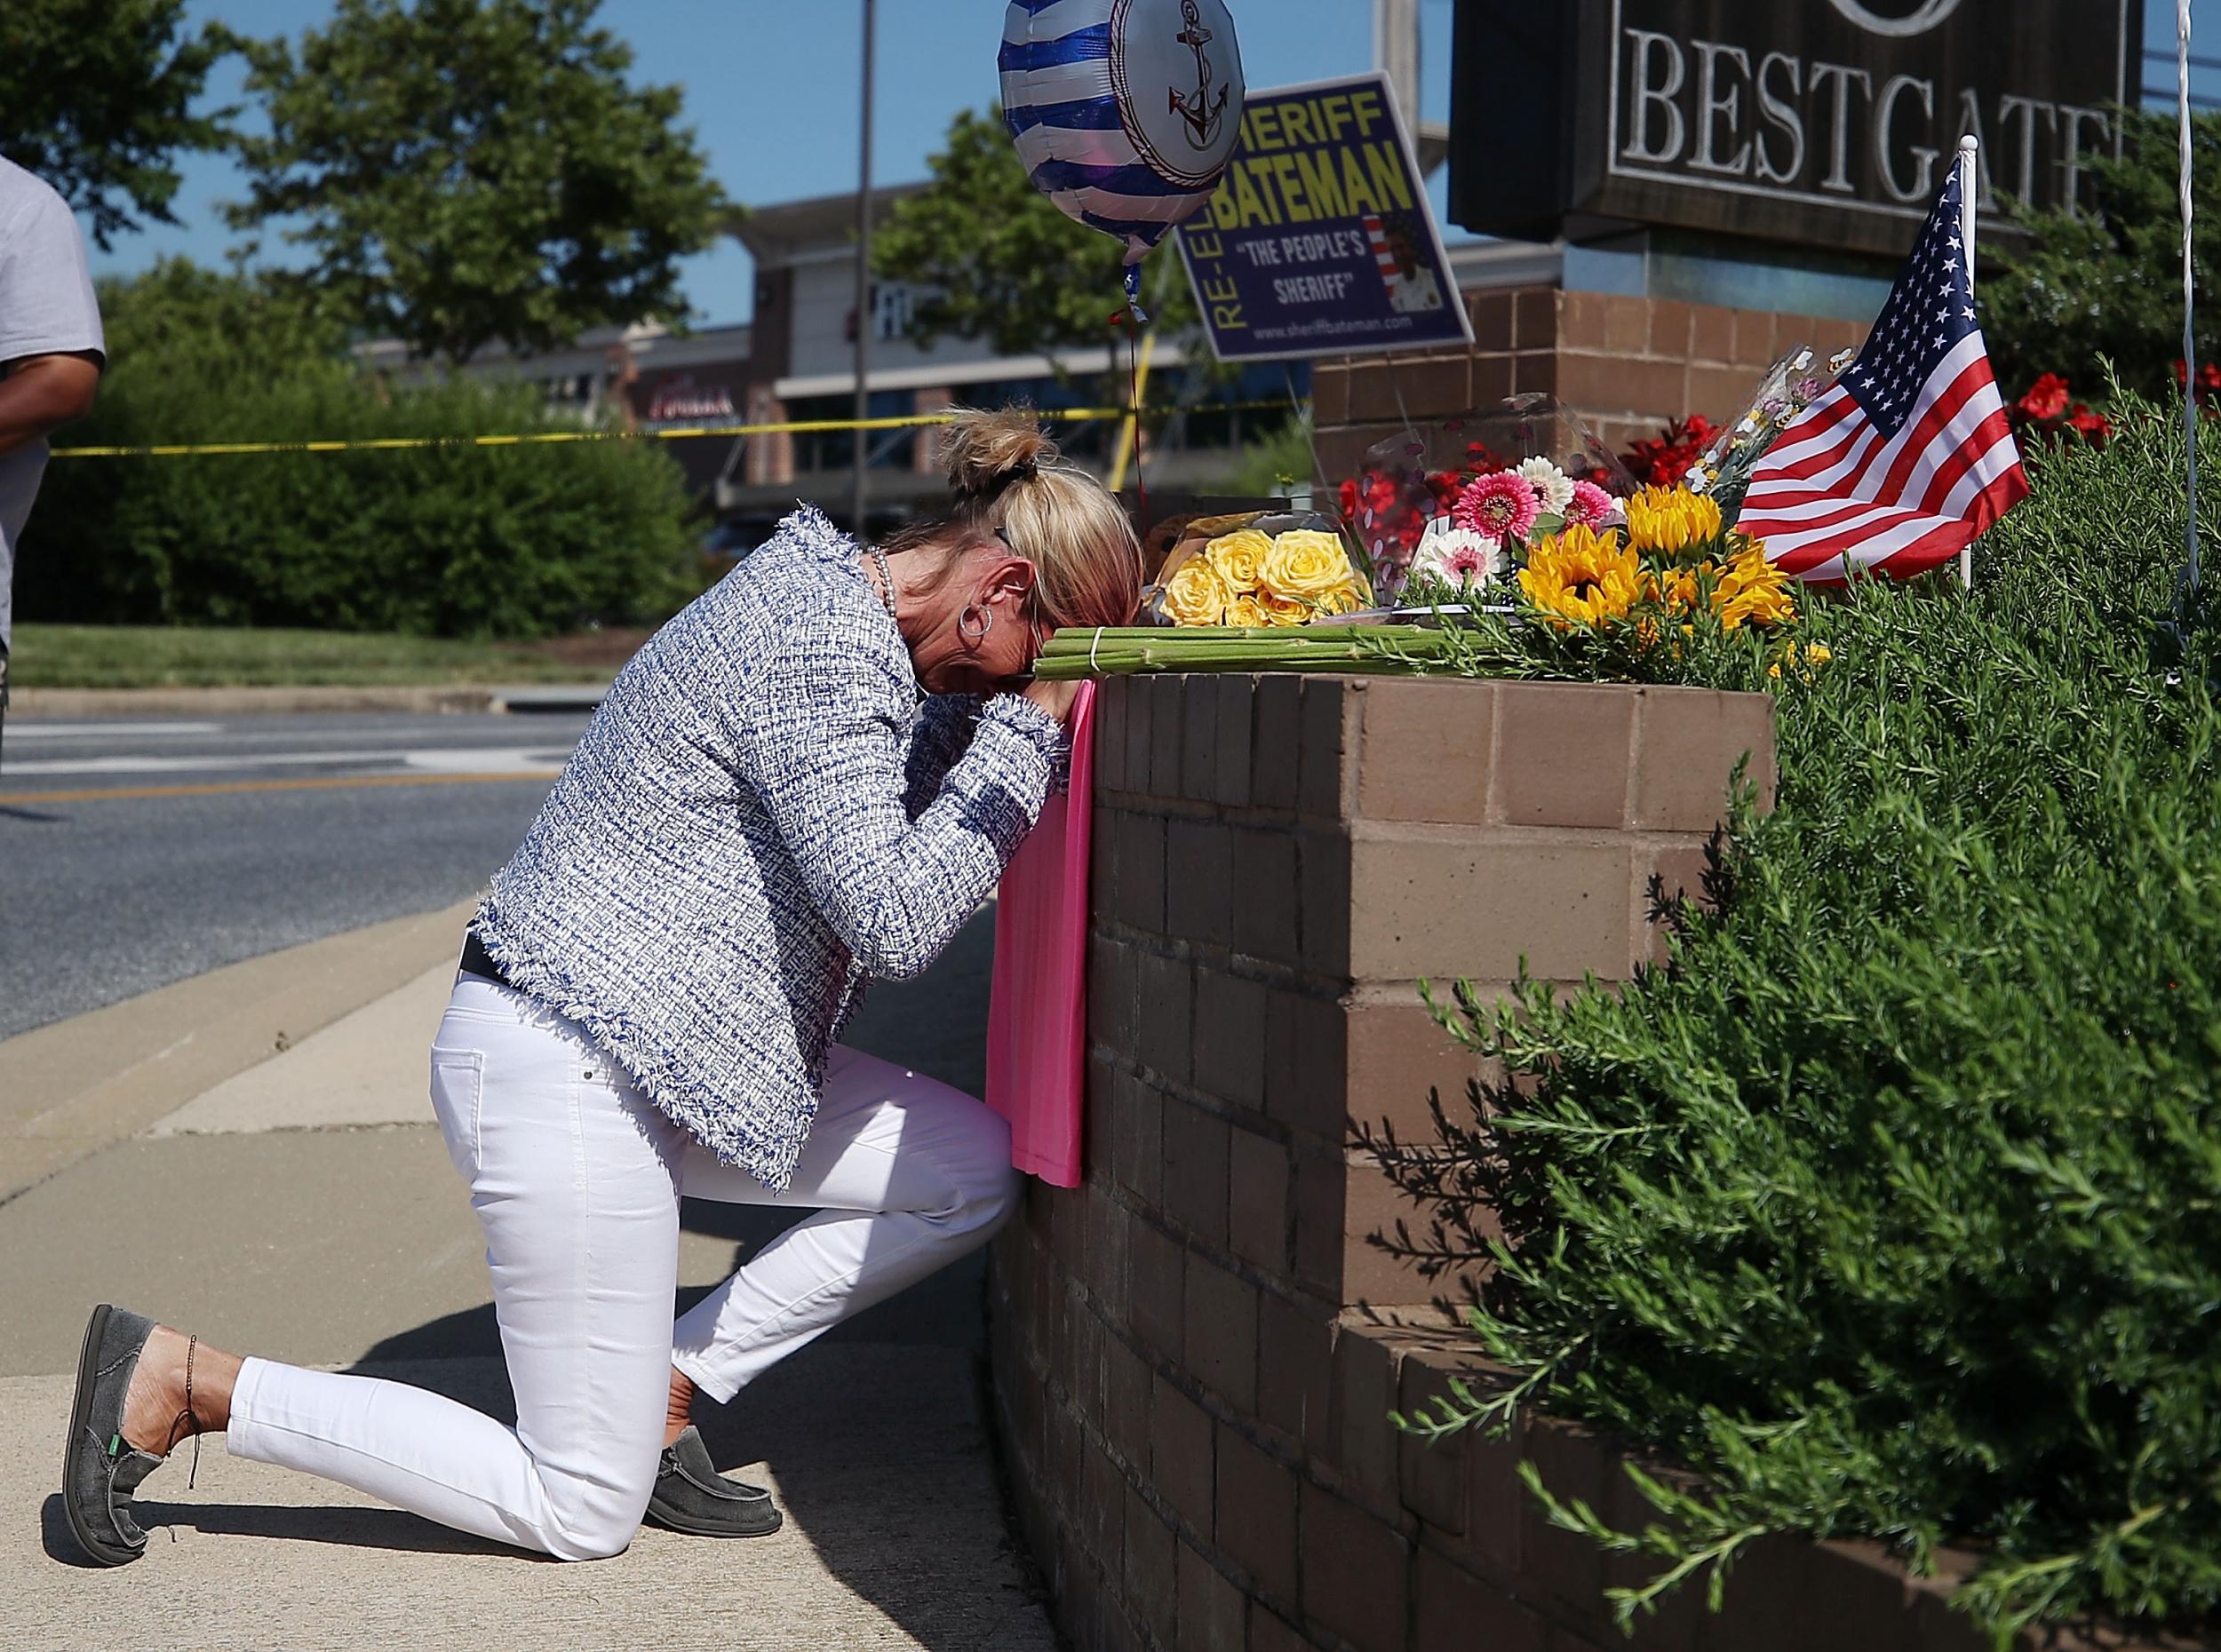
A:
[692, 1497]
[100, 1473]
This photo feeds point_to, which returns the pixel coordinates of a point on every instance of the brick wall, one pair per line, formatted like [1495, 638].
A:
[1191, 1389]
[1625, 365]
[1196, 1427]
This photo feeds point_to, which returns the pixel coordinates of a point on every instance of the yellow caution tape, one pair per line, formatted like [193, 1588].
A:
[389, 444]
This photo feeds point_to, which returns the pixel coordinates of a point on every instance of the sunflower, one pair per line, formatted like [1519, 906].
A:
[1671, 519]
[1675, 587]
[1751, 588]
[1581, 577]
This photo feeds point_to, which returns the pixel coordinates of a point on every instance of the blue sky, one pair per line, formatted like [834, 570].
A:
[771, 90]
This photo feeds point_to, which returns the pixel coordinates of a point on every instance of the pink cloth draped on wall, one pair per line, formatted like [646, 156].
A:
[1037, 1017]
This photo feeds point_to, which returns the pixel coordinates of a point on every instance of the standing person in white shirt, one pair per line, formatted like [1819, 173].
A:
[51, 352]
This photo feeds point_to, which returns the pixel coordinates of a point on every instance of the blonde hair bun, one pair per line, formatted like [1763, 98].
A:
[1010, 486]
[985, 452]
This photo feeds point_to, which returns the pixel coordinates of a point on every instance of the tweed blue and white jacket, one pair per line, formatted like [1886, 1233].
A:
[760, 817]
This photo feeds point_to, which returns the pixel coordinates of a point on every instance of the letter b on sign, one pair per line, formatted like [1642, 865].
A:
[1655, 73]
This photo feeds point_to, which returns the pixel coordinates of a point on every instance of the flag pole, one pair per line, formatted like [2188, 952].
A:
[2189, 585]
[1967, 174]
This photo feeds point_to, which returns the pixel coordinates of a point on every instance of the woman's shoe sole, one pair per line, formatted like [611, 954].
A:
[88, 1367]
[671, 1522]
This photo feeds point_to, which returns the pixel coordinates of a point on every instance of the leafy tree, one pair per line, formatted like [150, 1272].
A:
[998, 261]
[469, 171]
[96, 97]
[2109, 283]
[445, 539]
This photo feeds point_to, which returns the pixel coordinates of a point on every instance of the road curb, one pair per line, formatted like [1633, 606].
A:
[75, 1086]
[84, 703]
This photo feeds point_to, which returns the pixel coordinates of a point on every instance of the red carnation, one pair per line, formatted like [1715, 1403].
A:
[2046, 399]
[2095, 427]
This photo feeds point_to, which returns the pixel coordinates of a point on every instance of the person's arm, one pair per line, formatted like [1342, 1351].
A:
[42, 392]
[820, 733]
[945, 722]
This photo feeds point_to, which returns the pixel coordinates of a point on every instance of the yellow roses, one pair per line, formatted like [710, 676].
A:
[1248, 578]
[1197, 595]
[1239, 556]
[1304, 565]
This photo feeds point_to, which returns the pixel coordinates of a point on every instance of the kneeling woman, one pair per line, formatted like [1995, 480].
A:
[761, 816]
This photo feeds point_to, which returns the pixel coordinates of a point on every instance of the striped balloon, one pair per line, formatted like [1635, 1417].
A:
[1124, 111]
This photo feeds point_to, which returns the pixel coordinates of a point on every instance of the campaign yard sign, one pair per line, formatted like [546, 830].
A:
[1319, 240]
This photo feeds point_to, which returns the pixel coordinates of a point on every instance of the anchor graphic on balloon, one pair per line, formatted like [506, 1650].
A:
[1079, 94]
[1202, 115]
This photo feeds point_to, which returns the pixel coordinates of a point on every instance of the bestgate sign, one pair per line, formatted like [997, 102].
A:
[1319, 237]
[1825, 123]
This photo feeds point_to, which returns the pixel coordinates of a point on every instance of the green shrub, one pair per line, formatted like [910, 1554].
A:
[1892, 1203]
[458, 541]
[2105, 285]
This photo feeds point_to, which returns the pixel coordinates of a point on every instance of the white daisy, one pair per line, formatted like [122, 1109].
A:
[1458, 556]
[1552, 489]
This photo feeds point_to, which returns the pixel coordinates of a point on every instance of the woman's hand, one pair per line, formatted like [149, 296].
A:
[1057, 699]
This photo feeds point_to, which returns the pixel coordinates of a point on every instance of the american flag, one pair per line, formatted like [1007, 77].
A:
[1908, 456]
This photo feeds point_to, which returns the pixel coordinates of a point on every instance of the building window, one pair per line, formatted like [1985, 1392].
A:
[835, 449]
[1086, 441]
[890, 309]
[1251, 405]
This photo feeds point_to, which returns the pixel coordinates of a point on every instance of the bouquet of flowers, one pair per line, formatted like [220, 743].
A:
[1403, 487]
[1644, 592]
[1625, 590]
[1790, 386]
[1260, 572]
[2047, 410]
[1406, 496]
[1663, 460]
[1497, 514]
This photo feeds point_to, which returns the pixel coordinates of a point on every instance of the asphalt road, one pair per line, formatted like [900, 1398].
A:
[135, 854]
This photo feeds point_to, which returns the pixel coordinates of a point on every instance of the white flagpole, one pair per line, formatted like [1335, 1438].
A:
[2190, 295]
[1968, 175]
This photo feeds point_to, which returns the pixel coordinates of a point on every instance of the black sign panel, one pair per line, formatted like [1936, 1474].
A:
[1823, 122]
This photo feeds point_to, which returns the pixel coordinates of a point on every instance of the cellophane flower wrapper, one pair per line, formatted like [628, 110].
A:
[1252, 600]
[1414, 478]
[1787, 389]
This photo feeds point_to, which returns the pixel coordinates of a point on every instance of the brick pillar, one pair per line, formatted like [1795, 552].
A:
[1195, 1414]
[770, 459]
[1625, 365]
[925, 454]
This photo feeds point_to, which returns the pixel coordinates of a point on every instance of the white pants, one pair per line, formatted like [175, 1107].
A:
[575, 1177]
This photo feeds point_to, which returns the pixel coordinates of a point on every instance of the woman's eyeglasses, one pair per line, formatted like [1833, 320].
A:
[1036, 624]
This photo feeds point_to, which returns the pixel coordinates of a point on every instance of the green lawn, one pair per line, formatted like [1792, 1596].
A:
[155, 657]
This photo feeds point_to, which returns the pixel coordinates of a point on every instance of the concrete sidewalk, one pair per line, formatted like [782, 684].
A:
[301, 1206]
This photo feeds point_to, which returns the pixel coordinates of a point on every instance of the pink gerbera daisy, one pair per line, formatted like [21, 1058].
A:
[1589, 505]
[1499, 505]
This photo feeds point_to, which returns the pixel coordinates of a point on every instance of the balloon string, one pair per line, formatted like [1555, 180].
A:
[1133, 400]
